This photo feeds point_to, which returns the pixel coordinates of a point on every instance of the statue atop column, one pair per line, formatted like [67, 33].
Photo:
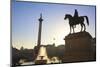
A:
[36, 49]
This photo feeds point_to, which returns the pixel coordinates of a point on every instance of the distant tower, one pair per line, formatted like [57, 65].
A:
[36, 49]
[40, 29]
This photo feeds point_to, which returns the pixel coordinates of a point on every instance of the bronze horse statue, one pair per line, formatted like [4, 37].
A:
[75, 20]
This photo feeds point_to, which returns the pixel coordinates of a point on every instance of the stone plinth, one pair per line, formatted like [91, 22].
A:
[78, 47]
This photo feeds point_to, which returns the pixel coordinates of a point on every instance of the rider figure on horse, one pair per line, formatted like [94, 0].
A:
[75, 16]
[76, 20]
[76, 13]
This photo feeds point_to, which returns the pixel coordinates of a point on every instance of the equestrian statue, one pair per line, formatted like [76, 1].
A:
[75, 20]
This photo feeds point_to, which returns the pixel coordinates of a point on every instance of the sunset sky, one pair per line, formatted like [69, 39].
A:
[25, 22]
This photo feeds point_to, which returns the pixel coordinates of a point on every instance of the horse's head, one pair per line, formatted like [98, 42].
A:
[67, 16]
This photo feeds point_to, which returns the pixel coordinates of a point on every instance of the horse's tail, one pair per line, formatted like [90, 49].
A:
[86, 19]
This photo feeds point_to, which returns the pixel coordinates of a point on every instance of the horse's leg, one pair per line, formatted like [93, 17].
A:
[84, 27]
[73, 29]
[81, 27]
[70, 29]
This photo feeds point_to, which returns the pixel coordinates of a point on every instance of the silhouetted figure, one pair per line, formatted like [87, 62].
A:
[74, 20]
[41, 57]
[76, 13]
[76, 16]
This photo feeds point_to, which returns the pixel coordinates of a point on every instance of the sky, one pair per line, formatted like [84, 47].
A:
[25, 22]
